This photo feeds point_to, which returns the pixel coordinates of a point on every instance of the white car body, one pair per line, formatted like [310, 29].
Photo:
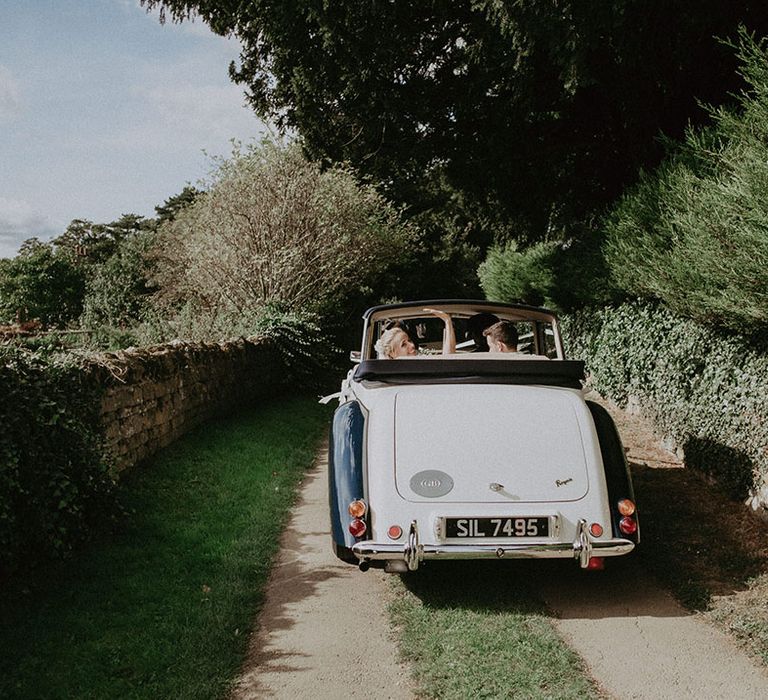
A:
[475, 455]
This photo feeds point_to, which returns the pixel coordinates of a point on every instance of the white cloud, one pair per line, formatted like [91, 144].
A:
[19, 221]
[10, 95]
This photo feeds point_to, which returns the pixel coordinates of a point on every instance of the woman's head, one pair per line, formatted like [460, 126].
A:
[395, 343]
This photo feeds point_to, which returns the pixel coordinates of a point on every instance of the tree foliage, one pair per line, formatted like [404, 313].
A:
[694, 233]
[274, 230]
[92, 244]
[536, 113]
[40, 284]
[99, 269]
[514, 276]
[117, 292]
[170, 209]
[561, 275]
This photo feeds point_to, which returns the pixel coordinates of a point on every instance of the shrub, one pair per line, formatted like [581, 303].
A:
[561, 275]
[704, 388]
[53, 480]
[512, 275]
[580, 274]
[275, 229]
[694, 233]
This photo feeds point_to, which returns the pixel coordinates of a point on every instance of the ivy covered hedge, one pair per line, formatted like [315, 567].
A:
[707, 390]
[54, 482]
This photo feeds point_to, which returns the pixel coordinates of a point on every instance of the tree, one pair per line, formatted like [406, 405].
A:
[117, 290]
[694, 232]
[89, 244]
[527, 116]
[169, 210]
[275, 231]
[40, 284]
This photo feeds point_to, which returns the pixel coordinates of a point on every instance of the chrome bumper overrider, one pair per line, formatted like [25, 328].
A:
[413, 552]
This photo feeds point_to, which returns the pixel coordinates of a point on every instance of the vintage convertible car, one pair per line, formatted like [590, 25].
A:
[474, 454]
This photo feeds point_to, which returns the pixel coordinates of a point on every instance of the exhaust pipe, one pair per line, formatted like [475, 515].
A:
[364, 565]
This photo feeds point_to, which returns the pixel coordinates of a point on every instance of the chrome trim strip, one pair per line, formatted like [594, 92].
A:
[514, 550]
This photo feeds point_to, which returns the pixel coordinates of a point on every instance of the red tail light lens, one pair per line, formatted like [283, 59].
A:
[357, 528]
[596, 564]
[595, 529]
[395, 532]
[628, 526]
[357, 508]
[626, 507]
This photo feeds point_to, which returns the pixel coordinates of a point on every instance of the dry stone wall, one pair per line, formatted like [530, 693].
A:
[152, 396]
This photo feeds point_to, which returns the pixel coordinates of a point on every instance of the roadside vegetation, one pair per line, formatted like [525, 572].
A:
[162, 606]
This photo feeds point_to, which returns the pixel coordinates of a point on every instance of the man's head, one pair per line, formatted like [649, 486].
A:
[476, 325]
[502, 337]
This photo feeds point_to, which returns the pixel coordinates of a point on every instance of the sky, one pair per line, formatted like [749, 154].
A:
[104, 112]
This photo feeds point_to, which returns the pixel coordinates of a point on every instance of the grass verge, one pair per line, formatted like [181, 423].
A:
[162, 608]
[486, 635]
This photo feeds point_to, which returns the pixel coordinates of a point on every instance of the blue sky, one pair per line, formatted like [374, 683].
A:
[104, 111]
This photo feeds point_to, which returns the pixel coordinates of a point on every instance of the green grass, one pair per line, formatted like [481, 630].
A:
[162, 608]
[478, 630]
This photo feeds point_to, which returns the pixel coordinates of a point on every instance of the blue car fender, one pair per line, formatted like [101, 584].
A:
[345, 474]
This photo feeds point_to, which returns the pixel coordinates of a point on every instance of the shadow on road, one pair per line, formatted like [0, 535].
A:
[556, 587]
[696, 540]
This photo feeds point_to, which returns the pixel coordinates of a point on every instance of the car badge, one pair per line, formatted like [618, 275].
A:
[431, 483]
[563, 482]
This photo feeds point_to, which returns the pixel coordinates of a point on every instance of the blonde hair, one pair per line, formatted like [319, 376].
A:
[386, 342]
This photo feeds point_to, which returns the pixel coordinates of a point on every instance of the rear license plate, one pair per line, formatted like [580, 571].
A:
[469, 528]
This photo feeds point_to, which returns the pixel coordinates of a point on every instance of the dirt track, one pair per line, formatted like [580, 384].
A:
[323, 632]
[639, 643]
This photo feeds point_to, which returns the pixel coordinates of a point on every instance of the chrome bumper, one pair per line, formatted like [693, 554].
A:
[413, 552]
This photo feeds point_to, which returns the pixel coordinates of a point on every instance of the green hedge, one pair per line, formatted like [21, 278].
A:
[706, 389]
[54, 482]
